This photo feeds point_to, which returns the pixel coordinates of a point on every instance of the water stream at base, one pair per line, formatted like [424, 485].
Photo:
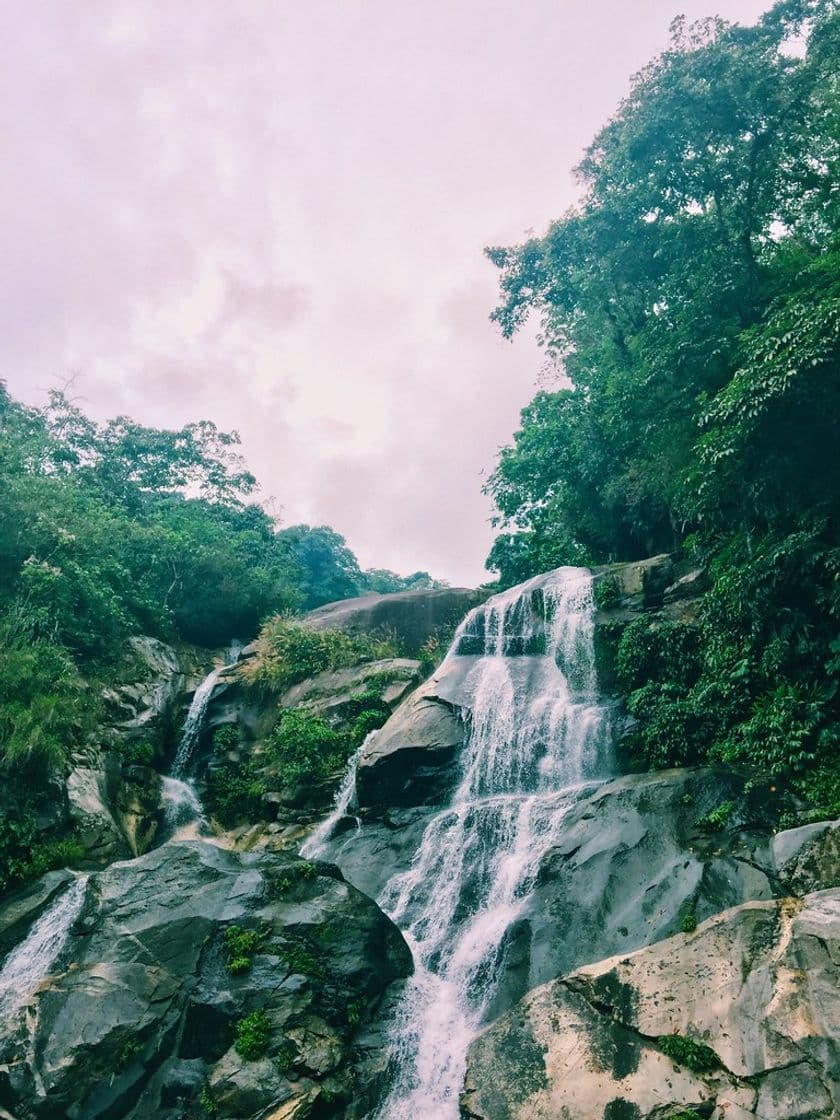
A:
[537, 736]
[30, 961]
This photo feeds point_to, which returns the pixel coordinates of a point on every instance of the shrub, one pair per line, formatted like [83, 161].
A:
[288, 652]
[234, 792]
[304, 748]
[252, 1036]
[607, 593]
[240, 946]
[687, 917]
[26, 853]
[658, 650]
[716, 820]
[136, 752]
[695, 1056]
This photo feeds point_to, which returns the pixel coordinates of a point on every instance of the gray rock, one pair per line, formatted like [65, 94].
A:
[332, 694]
[808, 858]
[411, 617]
[91, 817]
[410, 761]
[139, 1015]
[629, 863]
[759, 985]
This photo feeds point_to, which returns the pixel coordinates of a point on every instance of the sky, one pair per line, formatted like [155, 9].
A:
[271, 214]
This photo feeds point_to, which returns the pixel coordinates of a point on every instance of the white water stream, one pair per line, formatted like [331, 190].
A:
[30, 961]
[537, 734]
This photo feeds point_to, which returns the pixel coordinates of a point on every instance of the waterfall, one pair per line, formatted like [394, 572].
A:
[537, 733]
[183, 811]
[30, 962]
[194, 723]
[315, 845]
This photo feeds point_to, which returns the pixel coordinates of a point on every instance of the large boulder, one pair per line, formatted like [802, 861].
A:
[738, 1019]
[411, 760]
[152, 972]
[334, 695]
[410, 617]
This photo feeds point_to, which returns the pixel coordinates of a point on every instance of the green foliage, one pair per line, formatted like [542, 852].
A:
[288, 652]
[252, 1036]
[301, 872]
[46, 708]
[137, 752]
[607, 593]
[301, 958]
[693, 299]
[207, 1104]
[304, 748]
[286, 1056]
[233, 792]
[240, 947]
[718, 818]
[127, 1053]
[695, 1056]
[688, 918]
[26, 853]
[354, 1011]
[225, 737]
[821, 789]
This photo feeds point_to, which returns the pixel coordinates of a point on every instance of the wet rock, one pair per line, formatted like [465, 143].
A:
[755, 991]
[629, 862]
[139, 1017]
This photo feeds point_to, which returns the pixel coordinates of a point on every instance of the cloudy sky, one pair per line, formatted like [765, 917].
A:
[270, 214]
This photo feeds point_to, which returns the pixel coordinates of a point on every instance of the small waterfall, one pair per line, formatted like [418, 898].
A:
[194, 723]
[316, 844]
[30, 962]
[537, 735]
[183, 811]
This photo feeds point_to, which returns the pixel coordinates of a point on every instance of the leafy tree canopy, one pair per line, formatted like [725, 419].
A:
[691, 302]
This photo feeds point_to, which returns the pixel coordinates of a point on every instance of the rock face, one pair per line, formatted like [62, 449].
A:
[632, 861]
[411, 761]
[332, 694]
[412, 617]
[169, 956]
[738, 1019]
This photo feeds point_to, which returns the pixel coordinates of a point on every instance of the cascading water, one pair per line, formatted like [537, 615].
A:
[341, 804]
[183, 809]
[537, 734]
[194, 722]
[28, 964]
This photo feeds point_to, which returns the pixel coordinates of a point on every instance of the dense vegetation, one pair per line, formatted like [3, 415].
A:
[108, 530]
[692, 300]
[303, 751]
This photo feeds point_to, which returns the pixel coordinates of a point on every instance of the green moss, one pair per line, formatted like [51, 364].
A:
[252, 1036]
[240, 947]
[717, 819]
[695, 1056]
